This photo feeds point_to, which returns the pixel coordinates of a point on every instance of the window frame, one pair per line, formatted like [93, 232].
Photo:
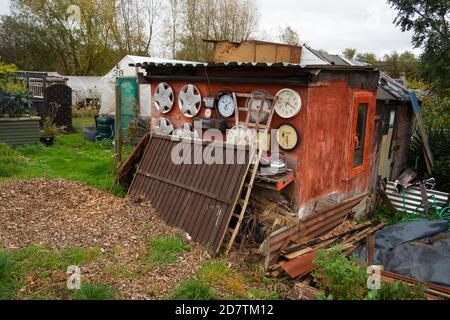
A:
[358, 99]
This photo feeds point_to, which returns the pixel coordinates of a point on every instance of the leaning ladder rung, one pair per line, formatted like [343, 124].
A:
[260, 126]
[255, 110]
[237, 216]
[230, 230]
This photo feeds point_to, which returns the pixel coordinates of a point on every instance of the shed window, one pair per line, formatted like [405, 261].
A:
[360, 136]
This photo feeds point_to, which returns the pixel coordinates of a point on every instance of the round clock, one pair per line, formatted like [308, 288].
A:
[225, 104]
[163, 97]
[287, 137]
[189, 100]
[288, 103]
[256, 104]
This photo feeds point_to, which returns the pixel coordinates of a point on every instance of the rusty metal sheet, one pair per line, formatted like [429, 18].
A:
[300, 266]
[197, 198]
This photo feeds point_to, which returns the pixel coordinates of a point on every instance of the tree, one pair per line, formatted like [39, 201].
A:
[289, 36]
[369, 58]
[77, 37]
[429, 20]
[233, 20]
[349, 53]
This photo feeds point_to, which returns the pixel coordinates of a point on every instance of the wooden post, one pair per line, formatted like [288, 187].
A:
[118, 129]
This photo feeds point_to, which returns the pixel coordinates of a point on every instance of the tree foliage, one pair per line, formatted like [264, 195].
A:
[429, 20]
[289, 36]
[198, 20]
[349, 53]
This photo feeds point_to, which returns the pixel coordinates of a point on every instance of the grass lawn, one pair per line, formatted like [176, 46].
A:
[72, 157]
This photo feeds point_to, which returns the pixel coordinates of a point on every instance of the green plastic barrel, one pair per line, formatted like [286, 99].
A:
[105, 125]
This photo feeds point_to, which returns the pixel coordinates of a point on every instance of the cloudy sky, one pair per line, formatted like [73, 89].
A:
[331, 25]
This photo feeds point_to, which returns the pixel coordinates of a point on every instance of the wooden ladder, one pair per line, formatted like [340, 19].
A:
[256, 153]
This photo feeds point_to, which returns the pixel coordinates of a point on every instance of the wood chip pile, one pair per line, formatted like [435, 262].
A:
[57, 214]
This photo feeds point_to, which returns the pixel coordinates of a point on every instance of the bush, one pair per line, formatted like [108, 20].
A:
[193, 289]
[15, 104]
[98, 291]
[339, 277]
[398, 290]
[344, 279]
[10, 162]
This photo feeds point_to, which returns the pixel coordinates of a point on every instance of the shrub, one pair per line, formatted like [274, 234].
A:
[10, 162]
[344, 279]
[14, 104]
[193, 289]
[96, 291]
[398, 290]
[339, 277]
[163, 250]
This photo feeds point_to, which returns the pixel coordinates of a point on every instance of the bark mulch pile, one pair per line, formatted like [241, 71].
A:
[57, 214]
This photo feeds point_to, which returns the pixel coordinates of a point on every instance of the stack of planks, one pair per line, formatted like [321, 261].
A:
[297, 259]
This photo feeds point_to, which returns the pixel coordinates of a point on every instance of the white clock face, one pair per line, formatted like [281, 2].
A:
[226, 105]
[288, 103]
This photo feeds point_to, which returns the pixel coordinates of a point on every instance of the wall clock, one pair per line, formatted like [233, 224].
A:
[288, 103]
[189, 100]
[163, 97]
[287, 137]
[256, 104]
[225, 104]
[164, 127]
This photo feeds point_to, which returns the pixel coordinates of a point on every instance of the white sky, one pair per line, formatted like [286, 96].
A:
[330, 24]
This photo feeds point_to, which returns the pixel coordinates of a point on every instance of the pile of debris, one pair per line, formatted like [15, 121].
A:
[291, 250]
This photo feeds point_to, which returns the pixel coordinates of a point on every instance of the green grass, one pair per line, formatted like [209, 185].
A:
[37, 259]
[9, 159]
[193, 289]
[9, 276]
[164, 250]
[255, 294]
[95, 291]
[72, 157]
[213, 271]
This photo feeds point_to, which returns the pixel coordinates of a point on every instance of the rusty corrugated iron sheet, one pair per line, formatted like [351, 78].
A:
[197, 198]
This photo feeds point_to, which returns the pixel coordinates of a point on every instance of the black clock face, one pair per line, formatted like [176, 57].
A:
[287, 137]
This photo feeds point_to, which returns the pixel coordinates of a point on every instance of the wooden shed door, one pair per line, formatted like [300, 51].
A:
[386, 156]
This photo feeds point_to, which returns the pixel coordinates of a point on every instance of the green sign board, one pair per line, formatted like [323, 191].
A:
[129, 101]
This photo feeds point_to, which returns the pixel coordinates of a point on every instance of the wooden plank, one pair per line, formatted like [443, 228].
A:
[301, 291]
[387, 202]
[300, 266]
[370, 245]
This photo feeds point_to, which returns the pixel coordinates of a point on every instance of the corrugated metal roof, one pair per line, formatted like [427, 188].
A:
[413, 198]
[197, 198]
